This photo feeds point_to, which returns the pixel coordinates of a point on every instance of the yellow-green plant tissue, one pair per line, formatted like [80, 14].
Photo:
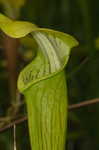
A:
[43, 83]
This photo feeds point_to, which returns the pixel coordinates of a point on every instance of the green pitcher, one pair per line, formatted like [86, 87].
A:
[43, 83]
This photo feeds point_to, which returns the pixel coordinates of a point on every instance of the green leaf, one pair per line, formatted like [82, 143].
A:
[12, 7]
[14, 3]
[43, 83]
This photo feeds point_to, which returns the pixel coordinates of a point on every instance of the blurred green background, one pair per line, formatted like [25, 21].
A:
[79, 18]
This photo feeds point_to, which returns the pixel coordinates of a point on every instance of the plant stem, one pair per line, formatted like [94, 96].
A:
[71, 107]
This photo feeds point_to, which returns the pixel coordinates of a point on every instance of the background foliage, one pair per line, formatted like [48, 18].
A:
[78, 18]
